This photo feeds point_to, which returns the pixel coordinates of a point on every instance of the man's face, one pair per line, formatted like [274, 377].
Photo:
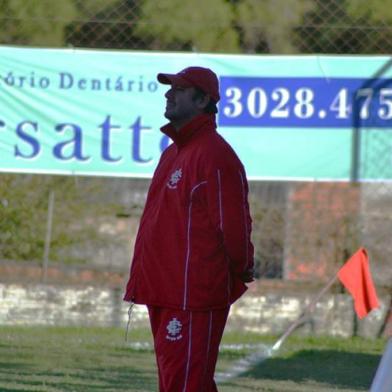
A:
[181, 105]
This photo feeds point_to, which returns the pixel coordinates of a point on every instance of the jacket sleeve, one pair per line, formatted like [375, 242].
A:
[227, 197]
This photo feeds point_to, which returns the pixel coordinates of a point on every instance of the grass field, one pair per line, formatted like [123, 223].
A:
[97, 359]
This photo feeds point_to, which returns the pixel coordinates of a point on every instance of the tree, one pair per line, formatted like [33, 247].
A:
[352, 26]
[250, 26]
[107, 24]
[376, 11]
[35, 22]
[268, 25]
[44, 22]
[200, 25]
[78, 211]
[375, 18]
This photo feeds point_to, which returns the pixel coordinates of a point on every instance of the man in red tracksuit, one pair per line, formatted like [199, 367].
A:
[193, 253]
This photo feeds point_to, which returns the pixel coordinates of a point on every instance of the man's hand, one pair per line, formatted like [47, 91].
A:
[248, 275]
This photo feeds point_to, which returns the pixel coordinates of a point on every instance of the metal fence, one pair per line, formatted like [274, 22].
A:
[301, 230]
[242, 26]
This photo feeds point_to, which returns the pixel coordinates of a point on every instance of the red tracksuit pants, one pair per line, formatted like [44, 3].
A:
[186, 347]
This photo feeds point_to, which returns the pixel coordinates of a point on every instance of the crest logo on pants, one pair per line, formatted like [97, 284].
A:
[174, 330]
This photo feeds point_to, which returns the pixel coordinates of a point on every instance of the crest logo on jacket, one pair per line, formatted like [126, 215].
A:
[174, 330]
[174, 179]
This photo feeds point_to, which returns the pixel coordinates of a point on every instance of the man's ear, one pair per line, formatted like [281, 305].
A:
[203, 101]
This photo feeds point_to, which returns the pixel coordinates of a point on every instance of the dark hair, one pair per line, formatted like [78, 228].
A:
[211, 107]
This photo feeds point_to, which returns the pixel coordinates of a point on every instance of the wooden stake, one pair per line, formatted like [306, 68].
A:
[48, 237]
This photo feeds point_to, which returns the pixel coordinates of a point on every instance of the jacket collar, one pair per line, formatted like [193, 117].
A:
[184, 134]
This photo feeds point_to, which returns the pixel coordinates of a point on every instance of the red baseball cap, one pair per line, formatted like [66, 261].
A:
[202, 78]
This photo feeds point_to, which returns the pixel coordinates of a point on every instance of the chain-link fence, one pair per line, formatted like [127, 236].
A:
[242, 26]
[301, 230]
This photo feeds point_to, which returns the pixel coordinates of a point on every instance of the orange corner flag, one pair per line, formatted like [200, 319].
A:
[355, 276]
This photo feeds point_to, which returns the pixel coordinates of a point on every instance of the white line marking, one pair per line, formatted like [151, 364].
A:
[188, 253]
[189, 351]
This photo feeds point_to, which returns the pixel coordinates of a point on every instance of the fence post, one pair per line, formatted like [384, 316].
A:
[48, 236]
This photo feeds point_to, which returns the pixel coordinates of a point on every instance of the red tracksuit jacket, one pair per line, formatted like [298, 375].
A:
[194, 235]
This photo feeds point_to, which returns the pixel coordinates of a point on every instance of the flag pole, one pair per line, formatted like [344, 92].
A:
[245, 364]
[359, 257]
[304, 315]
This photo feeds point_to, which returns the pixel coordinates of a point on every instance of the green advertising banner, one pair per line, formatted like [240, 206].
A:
[87, 112]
